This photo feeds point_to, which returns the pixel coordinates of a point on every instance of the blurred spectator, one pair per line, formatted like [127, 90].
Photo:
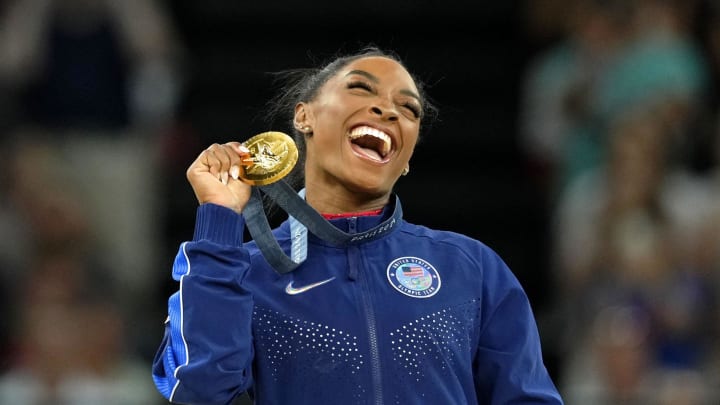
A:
[68, 337]
[562, 80]
[661, 68]
[620, 55]
[614, 367]
[628, 233]
[88, 88]
[621, 124]
[89, 64]
[96, 82]
[617, 368]
[69, 346]
[626, 186]
[684, 387]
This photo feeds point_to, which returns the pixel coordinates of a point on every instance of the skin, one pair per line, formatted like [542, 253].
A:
[372, 91]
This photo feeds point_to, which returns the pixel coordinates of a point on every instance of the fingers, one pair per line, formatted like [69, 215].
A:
[224, 161]
[214, 176]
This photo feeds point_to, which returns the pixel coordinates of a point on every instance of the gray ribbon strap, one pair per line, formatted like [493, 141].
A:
[293, 204]
[261, 233]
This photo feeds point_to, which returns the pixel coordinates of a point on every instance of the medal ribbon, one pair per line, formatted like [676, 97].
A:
[303, 218]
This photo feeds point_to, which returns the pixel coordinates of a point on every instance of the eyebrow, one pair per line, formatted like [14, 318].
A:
[374, 79]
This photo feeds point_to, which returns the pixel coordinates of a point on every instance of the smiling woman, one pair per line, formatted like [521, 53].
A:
[364, 134]
[396, 313]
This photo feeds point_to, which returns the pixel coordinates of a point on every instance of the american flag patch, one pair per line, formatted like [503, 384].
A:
[413, 277]
[412, 271]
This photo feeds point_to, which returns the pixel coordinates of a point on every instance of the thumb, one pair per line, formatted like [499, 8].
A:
[241, 191]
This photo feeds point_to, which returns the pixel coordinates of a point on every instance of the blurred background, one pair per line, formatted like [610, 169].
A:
[578, 138]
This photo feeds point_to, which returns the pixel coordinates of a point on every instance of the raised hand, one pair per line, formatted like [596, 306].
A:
[214, 176]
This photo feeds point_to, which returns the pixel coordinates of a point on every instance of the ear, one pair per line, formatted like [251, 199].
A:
[301, 120]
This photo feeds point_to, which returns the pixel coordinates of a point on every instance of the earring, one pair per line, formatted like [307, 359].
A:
[306, 129]
[406, 170]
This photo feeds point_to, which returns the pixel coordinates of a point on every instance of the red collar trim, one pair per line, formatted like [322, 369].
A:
[353, 214]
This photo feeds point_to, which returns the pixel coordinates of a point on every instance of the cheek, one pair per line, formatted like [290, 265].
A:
[325, 146]
[329, 110]
[410, 141]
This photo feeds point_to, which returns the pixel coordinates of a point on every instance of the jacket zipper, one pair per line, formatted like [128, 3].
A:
[354, 258]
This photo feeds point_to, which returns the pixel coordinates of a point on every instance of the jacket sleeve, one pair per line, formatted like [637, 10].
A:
[206, 354]
[509, 367]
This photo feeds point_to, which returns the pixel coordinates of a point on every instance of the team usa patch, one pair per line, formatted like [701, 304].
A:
[413, 277]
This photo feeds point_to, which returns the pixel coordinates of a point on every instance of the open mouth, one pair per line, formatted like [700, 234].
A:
[371, 143]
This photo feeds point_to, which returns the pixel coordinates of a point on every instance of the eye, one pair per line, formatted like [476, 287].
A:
[358, 84]
[413, 108]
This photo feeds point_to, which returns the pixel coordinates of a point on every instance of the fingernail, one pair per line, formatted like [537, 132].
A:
[224, 177]
[243, 149]
[235, 172]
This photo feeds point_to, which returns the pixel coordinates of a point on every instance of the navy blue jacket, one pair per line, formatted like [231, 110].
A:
[417, 316]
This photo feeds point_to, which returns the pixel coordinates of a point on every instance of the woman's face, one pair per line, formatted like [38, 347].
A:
[365, 122]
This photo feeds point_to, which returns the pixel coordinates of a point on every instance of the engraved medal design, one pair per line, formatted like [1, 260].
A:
[272, 156]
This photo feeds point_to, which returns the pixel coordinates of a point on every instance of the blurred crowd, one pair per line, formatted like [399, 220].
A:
[620, 119]
[88, 90]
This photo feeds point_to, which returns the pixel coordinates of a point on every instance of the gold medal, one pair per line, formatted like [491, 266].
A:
[272, 156]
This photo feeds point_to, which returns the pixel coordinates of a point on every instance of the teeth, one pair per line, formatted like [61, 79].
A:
[365, 130]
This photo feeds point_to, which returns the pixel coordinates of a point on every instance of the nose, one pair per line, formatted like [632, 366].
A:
[385, 112]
